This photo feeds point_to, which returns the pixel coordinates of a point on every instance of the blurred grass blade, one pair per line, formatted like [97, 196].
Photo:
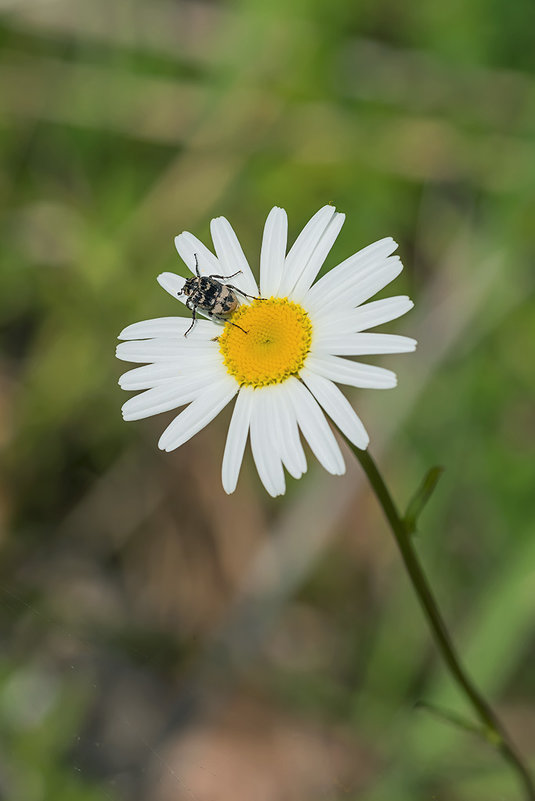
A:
[421, 497]
[453, 718]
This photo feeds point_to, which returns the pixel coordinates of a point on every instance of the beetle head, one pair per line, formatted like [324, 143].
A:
[190, 286]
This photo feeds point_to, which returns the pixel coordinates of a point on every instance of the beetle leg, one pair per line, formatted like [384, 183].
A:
[226, 320]
[193, 308]
[236, 289]
[225, 276]
[238, 326]
[241, 329]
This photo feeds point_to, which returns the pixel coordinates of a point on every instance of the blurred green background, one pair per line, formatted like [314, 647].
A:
[161, 640]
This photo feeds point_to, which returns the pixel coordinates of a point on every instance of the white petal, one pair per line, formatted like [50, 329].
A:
[280, 429]
[367, 284]
[167, 396]
[364, 317]
[188, 246]
[231, 256]
[317, 258]
[363, 344]
[372, 284]
[169, 327]
[150, 375]
[198, 414]
[303, 248]
[173, 284]
[337, 407]
[266, 458]
[273, 252]
[236, 439]
[286, 431]
[153, 375]
[355, 374]
[162, 349]
[315, 428]
[382, 311]
[334, 284]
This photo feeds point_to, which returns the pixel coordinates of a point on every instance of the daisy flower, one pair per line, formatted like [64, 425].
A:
[280, 354]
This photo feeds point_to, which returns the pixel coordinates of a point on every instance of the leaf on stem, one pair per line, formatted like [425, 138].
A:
[420, 498]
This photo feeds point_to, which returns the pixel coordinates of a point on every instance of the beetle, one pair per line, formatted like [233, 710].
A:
[215, 298]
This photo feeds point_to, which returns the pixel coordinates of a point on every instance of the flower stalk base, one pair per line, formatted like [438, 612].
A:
[491, 727]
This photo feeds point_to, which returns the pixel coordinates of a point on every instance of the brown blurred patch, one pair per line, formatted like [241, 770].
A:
[253, 751]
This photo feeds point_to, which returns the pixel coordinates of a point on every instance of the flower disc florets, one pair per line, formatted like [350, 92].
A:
[266, 342]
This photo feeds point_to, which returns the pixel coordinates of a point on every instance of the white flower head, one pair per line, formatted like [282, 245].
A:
[280, 352]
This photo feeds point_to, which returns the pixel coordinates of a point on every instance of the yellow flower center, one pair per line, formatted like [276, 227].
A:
[273, 344]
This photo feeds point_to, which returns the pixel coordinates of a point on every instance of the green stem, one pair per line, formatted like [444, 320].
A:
[493, 728]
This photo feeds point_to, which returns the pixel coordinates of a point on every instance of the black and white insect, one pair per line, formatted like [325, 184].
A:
[216, 299]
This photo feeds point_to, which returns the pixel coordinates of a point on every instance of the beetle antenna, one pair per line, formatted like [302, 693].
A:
[197, 265]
